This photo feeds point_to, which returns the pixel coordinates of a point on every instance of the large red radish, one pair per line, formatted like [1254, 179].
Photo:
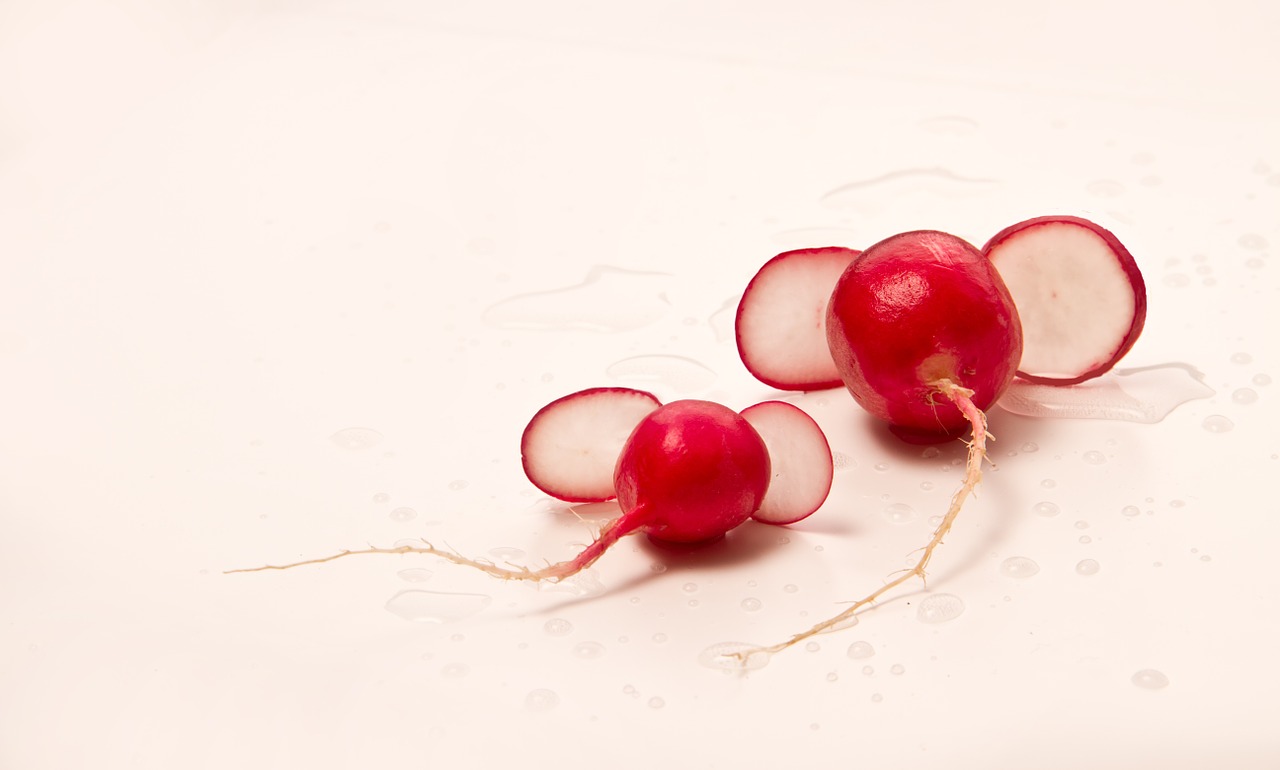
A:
[802, 464]
[1079, 292]
[925, 335]
[688, 472]
[571, 446]
[781, 319]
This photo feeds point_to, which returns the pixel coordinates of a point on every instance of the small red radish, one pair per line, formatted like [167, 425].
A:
[781, 319]
[802, 464]
[1079, 292]
[570, 447]
[925, 335]
[687, 472]
[916, 309]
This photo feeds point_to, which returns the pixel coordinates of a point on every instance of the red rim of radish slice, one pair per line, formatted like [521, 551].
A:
[780, 326]
[800, 458]
[1079, 294]
[571, 446]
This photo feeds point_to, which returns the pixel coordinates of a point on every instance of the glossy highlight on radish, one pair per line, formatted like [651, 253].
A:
[1080, 294]
[780, 326]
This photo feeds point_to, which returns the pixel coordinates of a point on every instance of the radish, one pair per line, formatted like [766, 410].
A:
[781, 319]
[687, 472]
[925, 335]
[802, 464]
[1079, 292]
[570, 447]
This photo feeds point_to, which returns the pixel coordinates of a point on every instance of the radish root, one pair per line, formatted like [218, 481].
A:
[962, 398]
[554, 573]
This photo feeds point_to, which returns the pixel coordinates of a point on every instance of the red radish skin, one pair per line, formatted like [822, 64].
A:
[1080, 294]
[925, 334]
[689, 472]
[781, 319]
[915, 309]
[570, 447]
[801, 458]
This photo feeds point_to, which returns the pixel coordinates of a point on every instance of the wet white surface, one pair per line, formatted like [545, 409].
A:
[284, 278]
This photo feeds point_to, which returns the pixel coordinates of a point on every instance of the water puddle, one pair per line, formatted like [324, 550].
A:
[609, 299]
[932, 182]
[1144, 395]
[680, 374]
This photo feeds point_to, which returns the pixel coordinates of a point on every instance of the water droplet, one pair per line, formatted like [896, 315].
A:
[877, 698]
[558, 627]
[403, 514]
[1087, 567]
[689, 587]
[1206, 557]
[683, 375]
[588, 650]
[842, 461]
[1142, 395]
[790, 588]
[1018, 567]
[1150, 679]
[897, 669]
[899, 513]
[435, 606]
[1253, 242]
[585, 583]
[1261, 379]
[812, 647]
[734, 656]
[659, 638]
[541, 700]
[1217, 423]
[868, 670]
[1046, 508]
[751, 604]
[1030, 446]
[931, 452]
[609, 299]
[1130, 511]
[505, 554]
[939, 608]
[1241, 358]
[860, 650]
[381, 497]
[1177, 503]
[355, 439]
[457, 484]
[1244, 396]
[832, 677]
[926, 485]
[415, 575]
[456, 670]
[1085, 540]
[1094, 457]
[1048, 483]
[656, 703]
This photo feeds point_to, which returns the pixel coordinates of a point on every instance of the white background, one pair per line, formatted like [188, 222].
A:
[230, 231]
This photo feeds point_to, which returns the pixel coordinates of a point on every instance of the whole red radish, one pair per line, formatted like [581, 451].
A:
[912, 311]
[1081, 297]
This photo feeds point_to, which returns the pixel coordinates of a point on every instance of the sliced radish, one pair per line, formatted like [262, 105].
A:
[801, 461]
[780, 326]
[570, 447]
[1078, 291]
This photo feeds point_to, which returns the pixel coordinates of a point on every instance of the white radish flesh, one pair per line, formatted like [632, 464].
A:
[570, 447]
[801, 458]
[780, 324]
[1079, 293]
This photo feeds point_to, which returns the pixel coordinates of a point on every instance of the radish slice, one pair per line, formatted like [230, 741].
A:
[570, 447]
[800, 458]
[781, 321]
[1078, 291]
